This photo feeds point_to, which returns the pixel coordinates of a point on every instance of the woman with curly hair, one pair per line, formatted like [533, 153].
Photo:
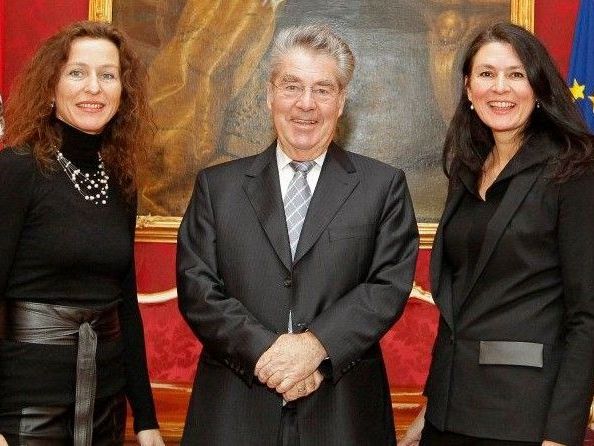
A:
[71, 339]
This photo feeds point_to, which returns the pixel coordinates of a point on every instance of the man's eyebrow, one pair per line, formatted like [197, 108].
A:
[290, 78]
[293, 78]
[326, 83]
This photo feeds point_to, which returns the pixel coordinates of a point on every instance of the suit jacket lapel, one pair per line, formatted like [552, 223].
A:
[337, 181]
[441, 285]
[262, 187]
[516, 192]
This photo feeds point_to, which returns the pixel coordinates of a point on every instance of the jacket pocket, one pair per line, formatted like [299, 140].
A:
[528, 354]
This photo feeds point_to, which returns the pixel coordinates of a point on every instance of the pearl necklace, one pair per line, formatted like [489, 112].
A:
[93, 187]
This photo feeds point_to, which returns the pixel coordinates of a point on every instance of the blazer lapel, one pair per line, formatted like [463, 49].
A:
[517, 190]
[440, 279]
[262, 187]
[337, 181]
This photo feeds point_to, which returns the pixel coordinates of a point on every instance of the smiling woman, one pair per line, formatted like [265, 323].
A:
[71, 345]
[511, 266]
[89, 90]
[500, 93]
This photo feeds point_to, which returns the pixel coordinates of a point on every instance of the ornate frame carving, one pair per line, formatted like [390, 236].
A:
[151, 228]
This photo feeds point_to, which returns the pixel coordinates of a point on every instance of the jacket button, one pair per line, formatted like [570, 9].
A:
[288, 283]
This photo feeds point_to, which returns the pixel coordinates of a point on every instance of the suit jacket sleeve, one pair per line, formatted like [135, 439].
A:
[573, 391]
[357, 321]
[223, 325]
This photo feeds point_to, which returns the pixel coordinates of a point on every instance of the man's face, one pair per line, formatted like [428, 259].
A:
[306, 101]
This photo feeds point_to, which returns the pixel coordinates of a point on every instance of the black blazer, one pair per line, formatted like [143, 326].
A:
[350, 280]
[516, 362]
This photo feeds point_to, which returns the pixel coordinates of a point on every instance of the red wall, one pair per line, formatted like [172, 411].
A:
[26, 23]
[554, 22]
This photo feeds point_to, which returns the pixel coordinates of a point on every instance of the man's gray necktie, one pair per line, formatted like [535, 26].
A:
[297, 200]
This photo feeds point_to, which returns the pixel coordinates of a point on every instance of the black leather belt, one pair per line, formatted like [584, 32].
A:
[41, 323]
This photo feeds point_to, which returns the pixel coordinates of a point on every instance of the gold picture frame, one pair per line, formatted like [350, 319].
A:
[164, 229]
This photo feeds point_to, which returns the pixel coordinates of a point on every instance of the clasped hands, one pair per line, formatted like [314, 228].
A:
[290, 365]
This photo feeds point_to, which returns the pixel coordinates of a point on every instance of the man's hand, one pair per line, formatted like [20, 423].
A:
[304, 388]
[150, 437]
[3, 441]
[551, 443]
[292, 358]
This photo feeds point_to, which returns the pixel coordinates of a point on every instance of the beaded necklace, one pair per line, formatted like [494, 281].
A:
[94, 186]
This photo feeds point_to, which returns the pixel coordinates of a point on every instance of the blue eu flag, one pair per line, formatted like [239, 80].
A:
[581, 67]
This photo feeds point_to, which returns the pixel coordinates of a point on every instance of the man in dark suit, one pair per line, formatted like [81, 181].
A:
[291, 266]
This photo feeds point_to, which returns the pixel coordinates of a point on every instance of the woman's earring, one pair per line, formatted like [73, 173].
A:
[52, 104]
[537, 104]
[471, 106]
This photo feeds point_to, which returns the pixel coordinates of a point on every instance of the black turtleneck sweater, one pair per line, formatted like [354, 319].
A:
[58, 248]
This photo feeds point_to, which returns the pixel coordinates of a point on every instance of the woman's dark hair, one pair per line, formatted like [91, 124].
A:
[30, 118]
[469, 140]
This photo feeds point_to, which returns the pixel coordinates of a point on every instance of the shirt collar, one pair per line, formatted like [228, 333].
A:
[283, 160]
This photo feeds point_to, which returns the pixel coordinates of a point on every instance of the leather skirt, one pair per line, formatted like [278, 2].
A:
[41, 323]
[54, 425]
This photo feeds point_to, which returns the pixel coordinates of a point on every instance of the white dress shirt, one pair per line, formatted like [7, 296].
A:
[286, 172]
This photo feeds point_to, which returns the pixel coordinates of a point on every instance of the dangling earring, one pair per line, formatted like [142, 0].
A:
[537, 104]
[471, 106]
[52, 104]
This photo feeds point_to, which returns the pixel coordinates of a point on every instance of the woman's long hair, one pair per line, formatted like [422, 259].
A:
[30, 117]
[469, 140]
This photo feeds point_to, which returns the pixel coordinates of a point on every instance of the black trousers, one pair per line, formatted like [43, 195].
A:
[54, 425]
[432, 436]
[288, 434]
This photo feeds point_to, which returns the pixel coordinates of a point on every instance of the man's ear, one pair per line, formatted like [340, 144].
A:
[269, 94]
[341, 101]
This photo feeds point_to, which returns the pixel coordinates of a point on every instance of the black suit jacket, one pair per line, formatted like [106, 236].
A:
[516, 361]
[349, 281]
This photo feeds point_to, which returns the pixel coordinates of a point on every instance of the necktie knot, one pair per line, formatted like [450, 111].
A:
[302, 166]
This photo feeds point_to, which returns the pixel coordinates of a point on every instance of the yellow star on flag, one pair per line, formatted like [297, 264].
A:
[577, 90]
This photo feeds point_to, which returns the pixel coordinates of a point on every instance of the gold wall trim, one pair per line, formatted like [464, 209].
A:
[157, 229]
[522, 13]
[100, 10]
[426, 234]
